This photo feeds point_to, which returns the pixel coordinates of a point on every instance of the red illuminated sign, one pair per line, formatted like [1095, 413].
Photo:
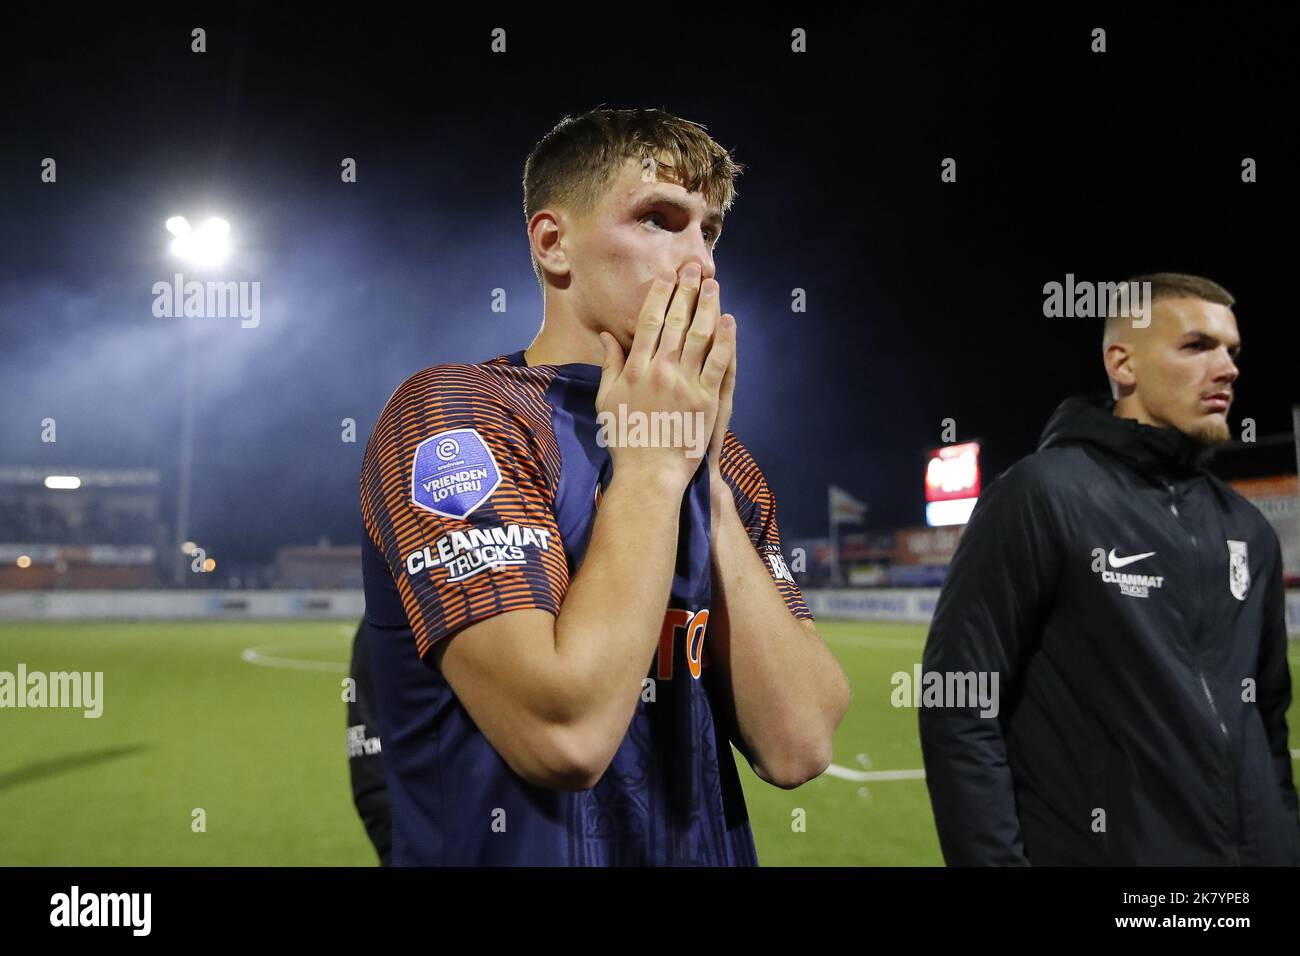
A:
[952, 472]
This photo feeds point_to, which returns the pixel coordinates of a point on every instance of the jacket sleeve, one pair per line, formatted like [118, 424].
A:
[365, 758]
[987, 621]
[1274, 694]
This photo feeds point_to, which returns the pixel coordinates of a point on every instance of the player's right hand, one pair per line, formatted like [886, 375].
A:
[681, 350]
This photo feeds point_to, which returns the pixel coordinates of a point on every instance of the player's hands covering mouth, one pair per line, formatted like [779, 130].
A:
[682, 359]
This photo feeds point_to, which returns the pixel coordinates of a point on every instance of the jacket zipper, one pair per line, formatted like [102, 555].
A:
[1205, 686]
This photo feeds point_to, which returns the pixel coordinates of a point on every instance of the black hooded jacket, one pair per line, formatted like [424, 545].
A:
[365, 753]
[1132, 607]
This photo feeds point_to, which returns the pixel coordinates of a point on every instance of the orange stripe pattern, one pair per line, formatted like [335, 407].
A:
[757, 507]
[506, 406]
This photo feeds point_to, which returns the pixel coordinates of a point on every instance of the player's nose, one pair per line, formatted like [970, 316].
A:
[1228, 370]
[707, 268]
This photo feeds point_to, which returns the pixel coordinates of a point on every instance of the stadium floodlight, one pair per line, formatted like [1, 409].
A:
[62, 482]
[208, 245]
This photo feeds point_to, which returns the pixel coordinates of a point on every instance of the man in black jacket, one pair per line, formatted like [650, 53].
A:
[365, 753]
[1130, 606]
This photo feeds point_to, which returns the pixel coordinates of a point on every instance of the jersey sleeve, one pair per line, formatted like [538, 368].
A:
[457, 493]
[756, 505]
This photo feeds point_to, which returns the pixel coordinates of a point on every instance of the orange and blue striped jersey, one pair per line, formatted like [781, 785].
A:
[479, 489]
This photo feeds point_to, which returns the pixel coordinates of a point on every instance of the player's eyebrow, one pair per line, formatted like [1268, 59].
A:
[655, 198]
[1206, 338]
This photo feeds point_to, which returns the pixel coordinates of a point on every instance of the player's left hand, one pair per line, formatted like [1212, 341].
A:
[723, 420]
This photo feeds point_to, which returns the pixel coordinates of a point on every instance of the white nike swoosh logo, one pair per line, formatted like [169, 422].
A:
[1125, 562]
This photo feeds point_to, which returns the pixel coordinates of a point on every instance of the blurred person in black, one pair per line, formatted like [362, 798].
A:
[365, 755]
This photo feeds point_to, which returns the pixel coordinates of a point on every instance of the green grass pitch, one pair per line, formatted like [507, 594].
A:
[188, 723]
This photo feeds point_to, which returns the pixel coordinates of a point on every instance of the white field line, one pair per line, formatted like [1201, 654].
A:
[864, 776]
[258, 655]
[870, 776]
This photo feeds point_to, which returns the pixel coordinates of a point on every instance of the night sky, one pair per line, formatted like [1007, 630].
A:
[925, 298]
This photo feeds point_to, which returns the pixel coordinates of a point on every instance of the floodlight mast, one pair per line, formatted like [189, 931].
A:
[186, 458]
[205, 246]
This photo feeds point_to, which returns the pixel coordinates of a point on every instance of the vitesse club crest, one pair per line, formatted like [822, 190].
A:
[1238, 570]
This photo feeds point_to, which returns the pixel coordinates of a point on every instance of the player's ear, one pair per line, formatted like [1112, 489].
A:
[1118, 359]
[545, 234]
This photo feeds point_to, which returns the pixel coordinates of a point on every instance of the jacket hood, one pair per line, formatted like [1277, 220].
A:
[1090, 420]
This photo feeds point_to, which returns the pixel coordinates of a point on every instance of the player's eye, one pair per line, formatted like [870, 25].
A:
[712, 235]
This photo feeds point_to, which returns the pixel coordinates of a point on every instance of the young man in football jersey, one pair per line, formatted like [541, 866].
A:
[1132, 606]
[568, 633]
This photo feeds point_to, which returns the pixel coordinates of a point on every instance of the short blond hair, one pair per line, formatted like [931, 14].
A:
[572, 166]
[1168, 285]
